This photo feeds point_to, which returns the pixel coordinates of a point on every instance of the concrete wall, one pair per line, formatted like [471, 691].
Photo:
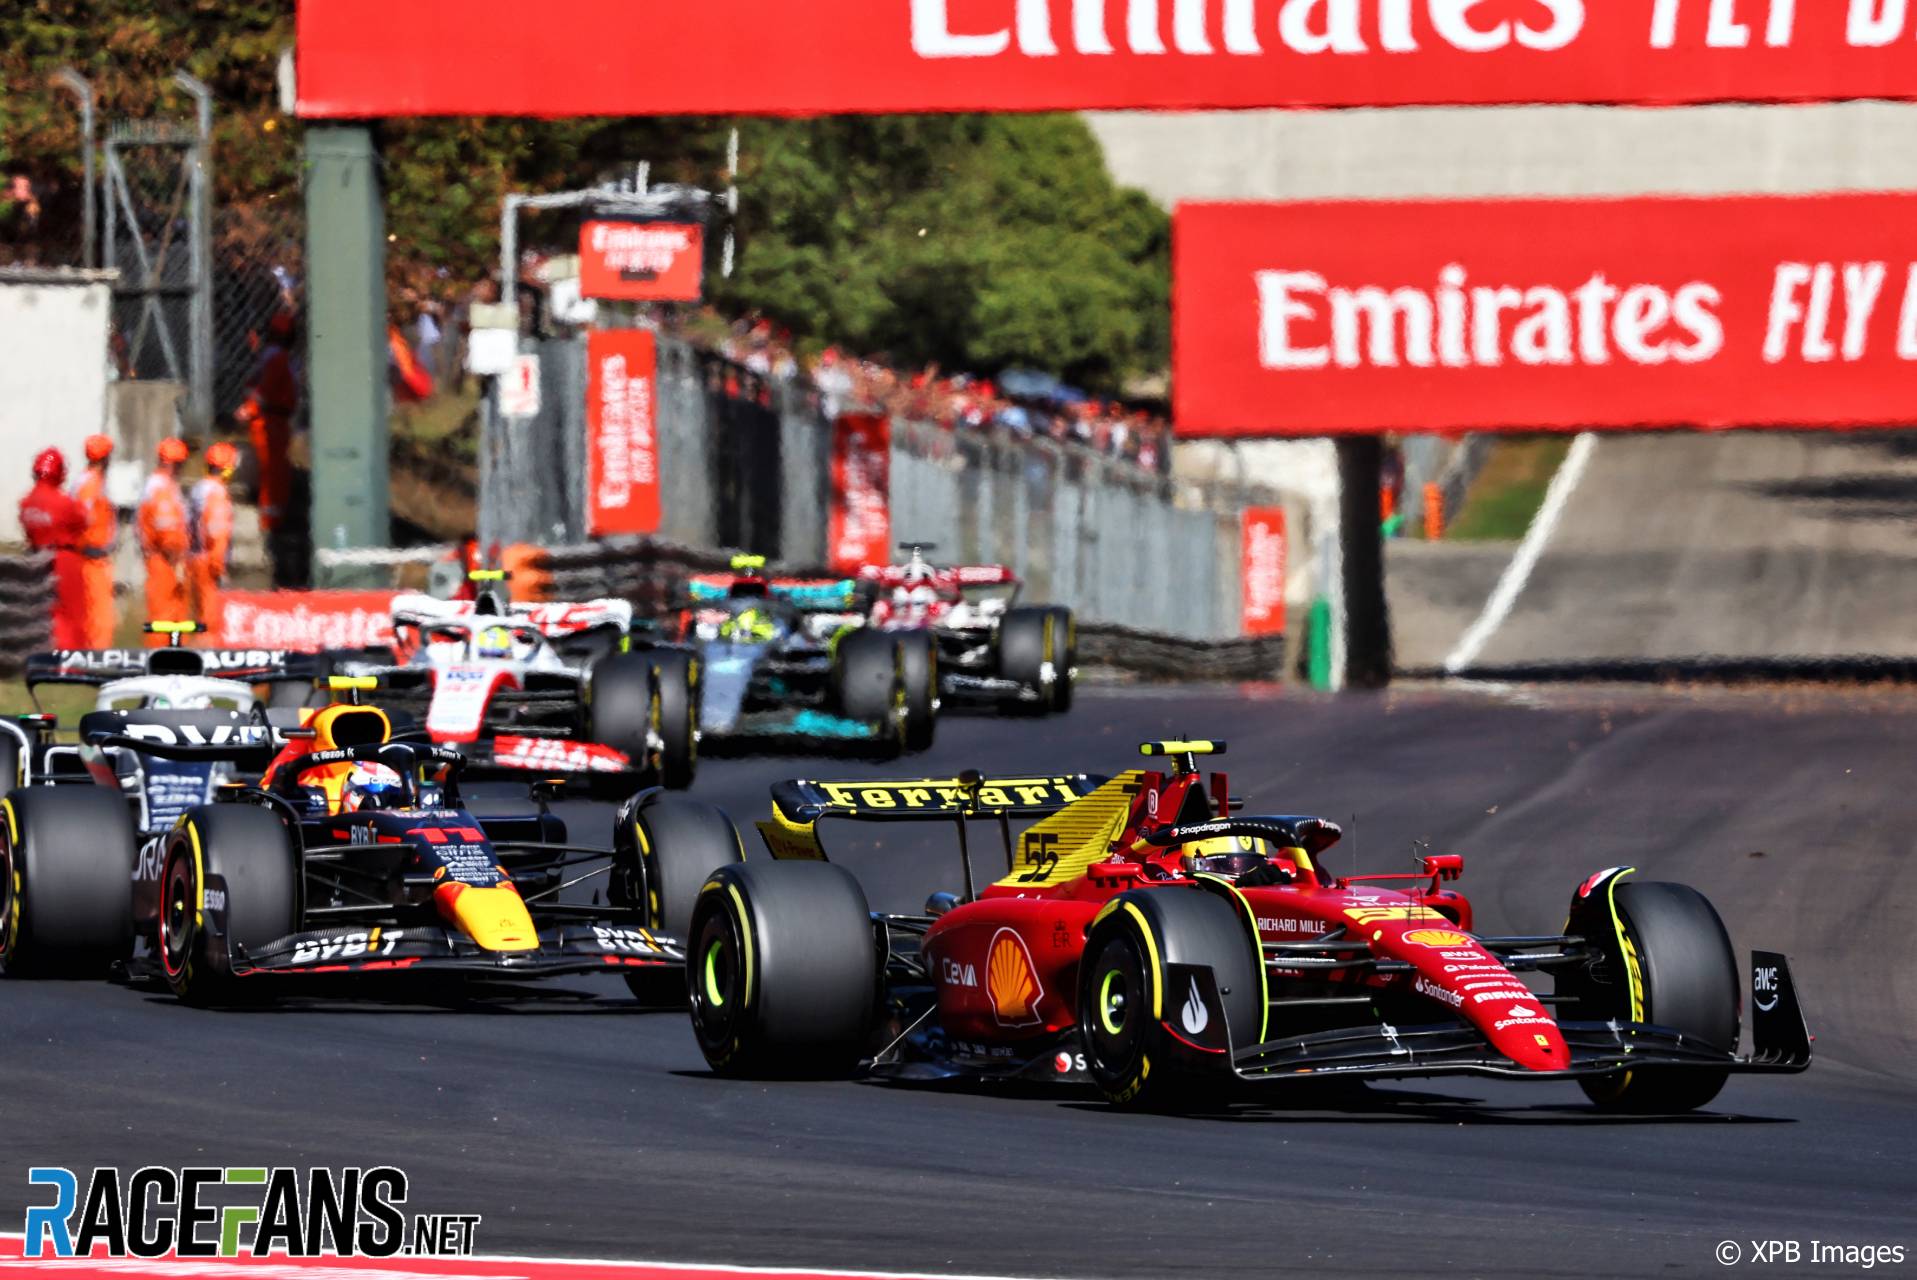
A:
[53, 373]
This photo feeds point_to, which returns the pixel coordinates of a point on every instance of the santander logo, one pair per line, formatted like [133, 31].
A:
[1243, 28]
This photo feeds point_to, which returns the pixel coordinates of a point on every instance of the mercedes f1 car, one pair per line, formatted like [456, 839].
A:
[350, 853]
[990, 650]
[541, 689]
[787, 661]
[1152, 940]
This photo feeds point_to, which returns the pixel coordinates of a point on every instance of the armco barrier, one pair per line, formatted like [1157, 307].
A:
[26, 609]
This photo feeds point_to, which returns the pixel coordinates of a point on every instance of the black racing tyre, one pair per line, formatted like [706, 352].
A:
[1126, 994]
[230, 884]
[664, 848]
[12, 757]
[1029, 649]
[1065, 633]
[677, 675]
[620, 709]
[868, 681]
[783, 969]
[66, 872]
[1689, 979]
[919, 661]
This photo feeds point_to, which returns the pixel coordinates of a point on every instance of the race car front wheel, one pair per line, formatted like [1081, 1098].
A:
[783, 969]
[1149, 1024]
[229, 886]
[66, 868]
[664, 848]
[1667, 961]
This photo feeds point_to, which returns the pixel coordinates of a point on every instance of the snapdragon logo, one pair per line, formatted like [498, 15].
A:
[206, 1213]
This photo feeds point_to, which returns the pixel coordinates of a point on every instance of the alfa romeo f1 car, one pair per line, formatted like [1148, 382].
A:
[989, 649]
[543, 689]
[786, 660]
[352, 853]
[1152, 940]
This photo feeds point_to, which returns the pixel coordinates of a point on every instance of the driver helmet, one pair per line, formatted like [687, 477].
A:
[1228, 856]
[493, 642]
[748, 625]
[372, 785]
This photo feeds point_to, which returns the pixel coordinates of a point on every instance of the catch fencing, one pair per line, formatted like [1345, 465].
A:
[746, 462]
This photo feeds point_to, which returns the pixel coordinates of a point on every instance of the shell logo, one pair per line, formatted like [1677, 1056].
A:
[1438, 938]
[1011, 980]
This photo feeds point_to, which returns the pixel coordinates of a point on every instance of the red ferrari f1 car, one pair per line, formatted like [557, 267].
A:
[1149, 938]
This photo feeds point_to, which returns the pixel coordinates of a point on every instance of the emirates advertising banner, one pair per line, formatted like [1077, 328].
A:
[1262, 571]
[861, 524]
[622, 436]
[370, 58]
[642, 262]
[306, 621]
[1328, 317]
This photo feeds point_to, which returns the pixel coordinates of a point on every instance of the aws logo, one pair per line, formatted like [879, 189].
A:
[1011, 980]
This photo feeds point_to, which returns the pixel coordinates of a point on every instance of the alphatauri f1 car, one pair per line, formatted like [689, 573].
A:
[989, 650]
[1148, 938]
[351, 853]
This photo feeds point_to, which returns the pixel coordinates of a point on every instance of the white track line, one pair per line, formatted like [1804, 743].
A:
[1518, 572]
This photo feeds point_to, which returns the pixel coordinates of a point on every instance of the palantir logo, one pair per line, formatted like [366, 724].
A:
[159, 1212]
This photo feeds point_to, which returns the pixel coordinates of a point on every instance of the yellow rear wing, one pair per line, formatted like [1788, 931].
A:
[797, 806]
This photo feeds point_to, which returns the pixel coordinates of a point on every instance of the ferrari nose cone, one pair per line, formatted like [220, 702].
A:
[1528, 1035]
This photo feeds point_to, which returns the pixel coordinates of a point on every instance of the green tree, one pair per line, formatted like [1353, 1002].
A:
[975, 241]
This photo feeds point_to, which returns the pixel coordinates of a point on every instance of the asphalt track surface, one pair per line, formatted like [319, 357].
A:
[580, 1126]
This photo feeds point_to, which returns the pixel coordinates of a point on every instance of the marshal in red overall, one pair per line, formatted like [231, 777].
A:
[1153, 940]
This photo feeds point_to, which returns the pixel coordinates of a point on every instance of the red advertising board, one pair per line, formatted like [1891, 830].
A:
[861, 527]
[369, 58]
[306, 621]
[1327, 317]
[622, 435]
[642, 261]
[1262, 571]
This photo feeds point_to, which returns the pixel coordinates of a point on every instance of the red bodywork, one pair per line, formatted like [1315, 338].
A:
[1005, 966]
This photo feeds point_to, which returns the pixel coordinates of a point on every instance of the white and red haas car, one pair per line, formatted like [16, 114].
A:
[990, 649]
[548, 688]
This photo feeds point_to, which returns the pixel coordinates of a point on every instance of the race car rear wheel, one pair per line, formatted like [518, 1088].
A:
[677, 713]
[868, 674]
[1030, 649]
[664, 849]
[1065, 633]
[1127, 994]
[783, 969]
[66, 869]
[620, 709]
[1673, 967]
[919, 660]
[229, 886]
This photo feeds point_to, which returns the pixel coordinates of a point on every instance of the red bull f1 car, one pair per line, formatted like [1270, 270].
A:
[346, 851]
[541, 689]
[1149, 938]
[989, 649]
